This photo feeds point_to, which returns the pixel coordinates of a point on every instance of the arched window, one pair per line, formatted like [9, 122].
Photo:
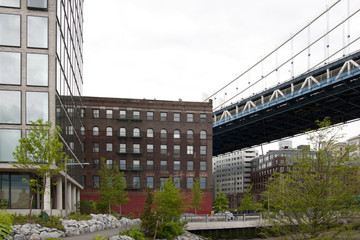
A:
[82, 131]
[95, 131]
[109, 131]
[202, 134]
[190, 134]
[150, 133]
[163, 133]
[122, 132]
[136, 132]
[176, 133]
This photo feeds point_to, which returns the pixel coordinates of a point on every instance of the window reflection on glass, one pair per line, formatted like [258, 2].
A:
[37, 69]
[10, 107]
[10, 68]
[4, 189]
[10, 30]
[203, 182]
[150, 182]
[37, 32]
[37, 106]
[10, 3]
[9, 139]
[40, 4]
[136, 182]
[176, 182]
[20, 192]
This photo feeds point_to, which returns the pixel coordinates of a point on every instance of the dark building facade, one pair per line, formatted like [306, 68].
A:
[149, 140]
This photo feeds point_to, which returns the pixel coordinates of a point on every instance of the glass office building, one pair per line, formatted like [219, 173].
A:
[40, 78]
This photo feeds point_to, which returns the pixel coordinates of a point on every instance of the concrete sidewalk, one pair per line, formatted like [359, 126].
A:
[90, 236]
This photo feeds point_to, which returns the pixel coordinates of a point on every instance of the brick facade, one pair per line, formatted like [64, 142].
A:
[133, 132]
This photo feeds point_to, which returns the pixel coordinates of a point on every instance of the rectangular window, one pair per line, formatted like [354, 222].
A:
[96, 147]
[37, 4]
[136, 115]
[10, 30]
[150, 182]
[109, 164]
[189, 182]
[96, 181]
[203, 182]
[150, 115]
[163, 165]
[163, 149]
[122, 165]
[9, 139]
[190, 150]
[176, 117]
[136, 148]
[69, 130]
[190, 165]
[82, 112]
[176, 182]
[109, 113]
[136, 165]
[10, 67]
[109, 147]
[96, 164]
[19, 191]
[10, 3]
[163, 116]
[176, 149]
[83, 180]
[202, 166]
[122, 148]
[122, 114]
[96, 113]
[189, 117]
[37, 106]
[202, 150]
[149, 165]
[136, 182]
[37, 66]
[37, 32]
[10, 107]
[203, 117]
[149, 148]
[162, 180]
[176, 165]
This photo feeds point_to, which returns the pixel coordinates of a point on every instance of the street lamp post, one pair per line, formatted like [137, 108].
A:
[66, 177]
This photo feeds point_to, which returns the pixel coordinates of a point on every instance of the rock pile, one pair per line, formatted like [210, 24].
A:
[72, 227]
[35, 232]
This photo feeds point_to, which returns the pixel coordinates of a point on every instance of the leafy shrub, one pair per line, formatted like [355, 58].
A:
[79, 216]
[98, 237]
[102, 207]
[86, 206]
[169, 230]
[134, 233]
[6, 222]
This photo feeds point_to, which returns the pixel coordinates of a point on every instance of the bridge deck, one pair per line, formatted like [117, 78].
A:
[192, 226]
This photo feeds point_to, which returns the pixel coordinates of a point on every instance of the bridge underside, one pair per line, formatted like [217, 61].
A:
[340, 102]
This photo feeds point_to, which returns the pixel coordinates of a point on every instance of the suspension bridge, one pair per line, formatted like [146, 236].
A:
[323, 61]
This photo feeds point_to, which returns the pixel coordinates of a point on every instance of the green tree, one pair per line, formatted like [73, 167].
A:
[112, 186]
[6, 223]
[148, 218]
[169, 202]
[316, 197]
[41, 152]
[197, 194]
[248, 202]
[221, 203]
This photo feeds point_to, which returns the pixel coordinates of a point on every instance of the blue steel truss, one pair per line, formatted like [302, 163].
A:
[292, 107]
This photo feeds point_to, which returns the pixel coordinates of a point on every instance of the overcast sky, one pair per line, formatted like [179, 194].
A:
[182, 49]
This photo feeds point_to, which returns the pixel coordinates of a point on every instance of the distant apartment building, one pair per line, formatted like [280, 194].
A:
[40, 78]
[150, 141]
[231, 172]
[355, 141]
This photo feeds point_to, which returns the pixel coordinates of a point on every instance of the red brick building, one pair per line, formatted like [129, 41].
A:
[150, 140]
